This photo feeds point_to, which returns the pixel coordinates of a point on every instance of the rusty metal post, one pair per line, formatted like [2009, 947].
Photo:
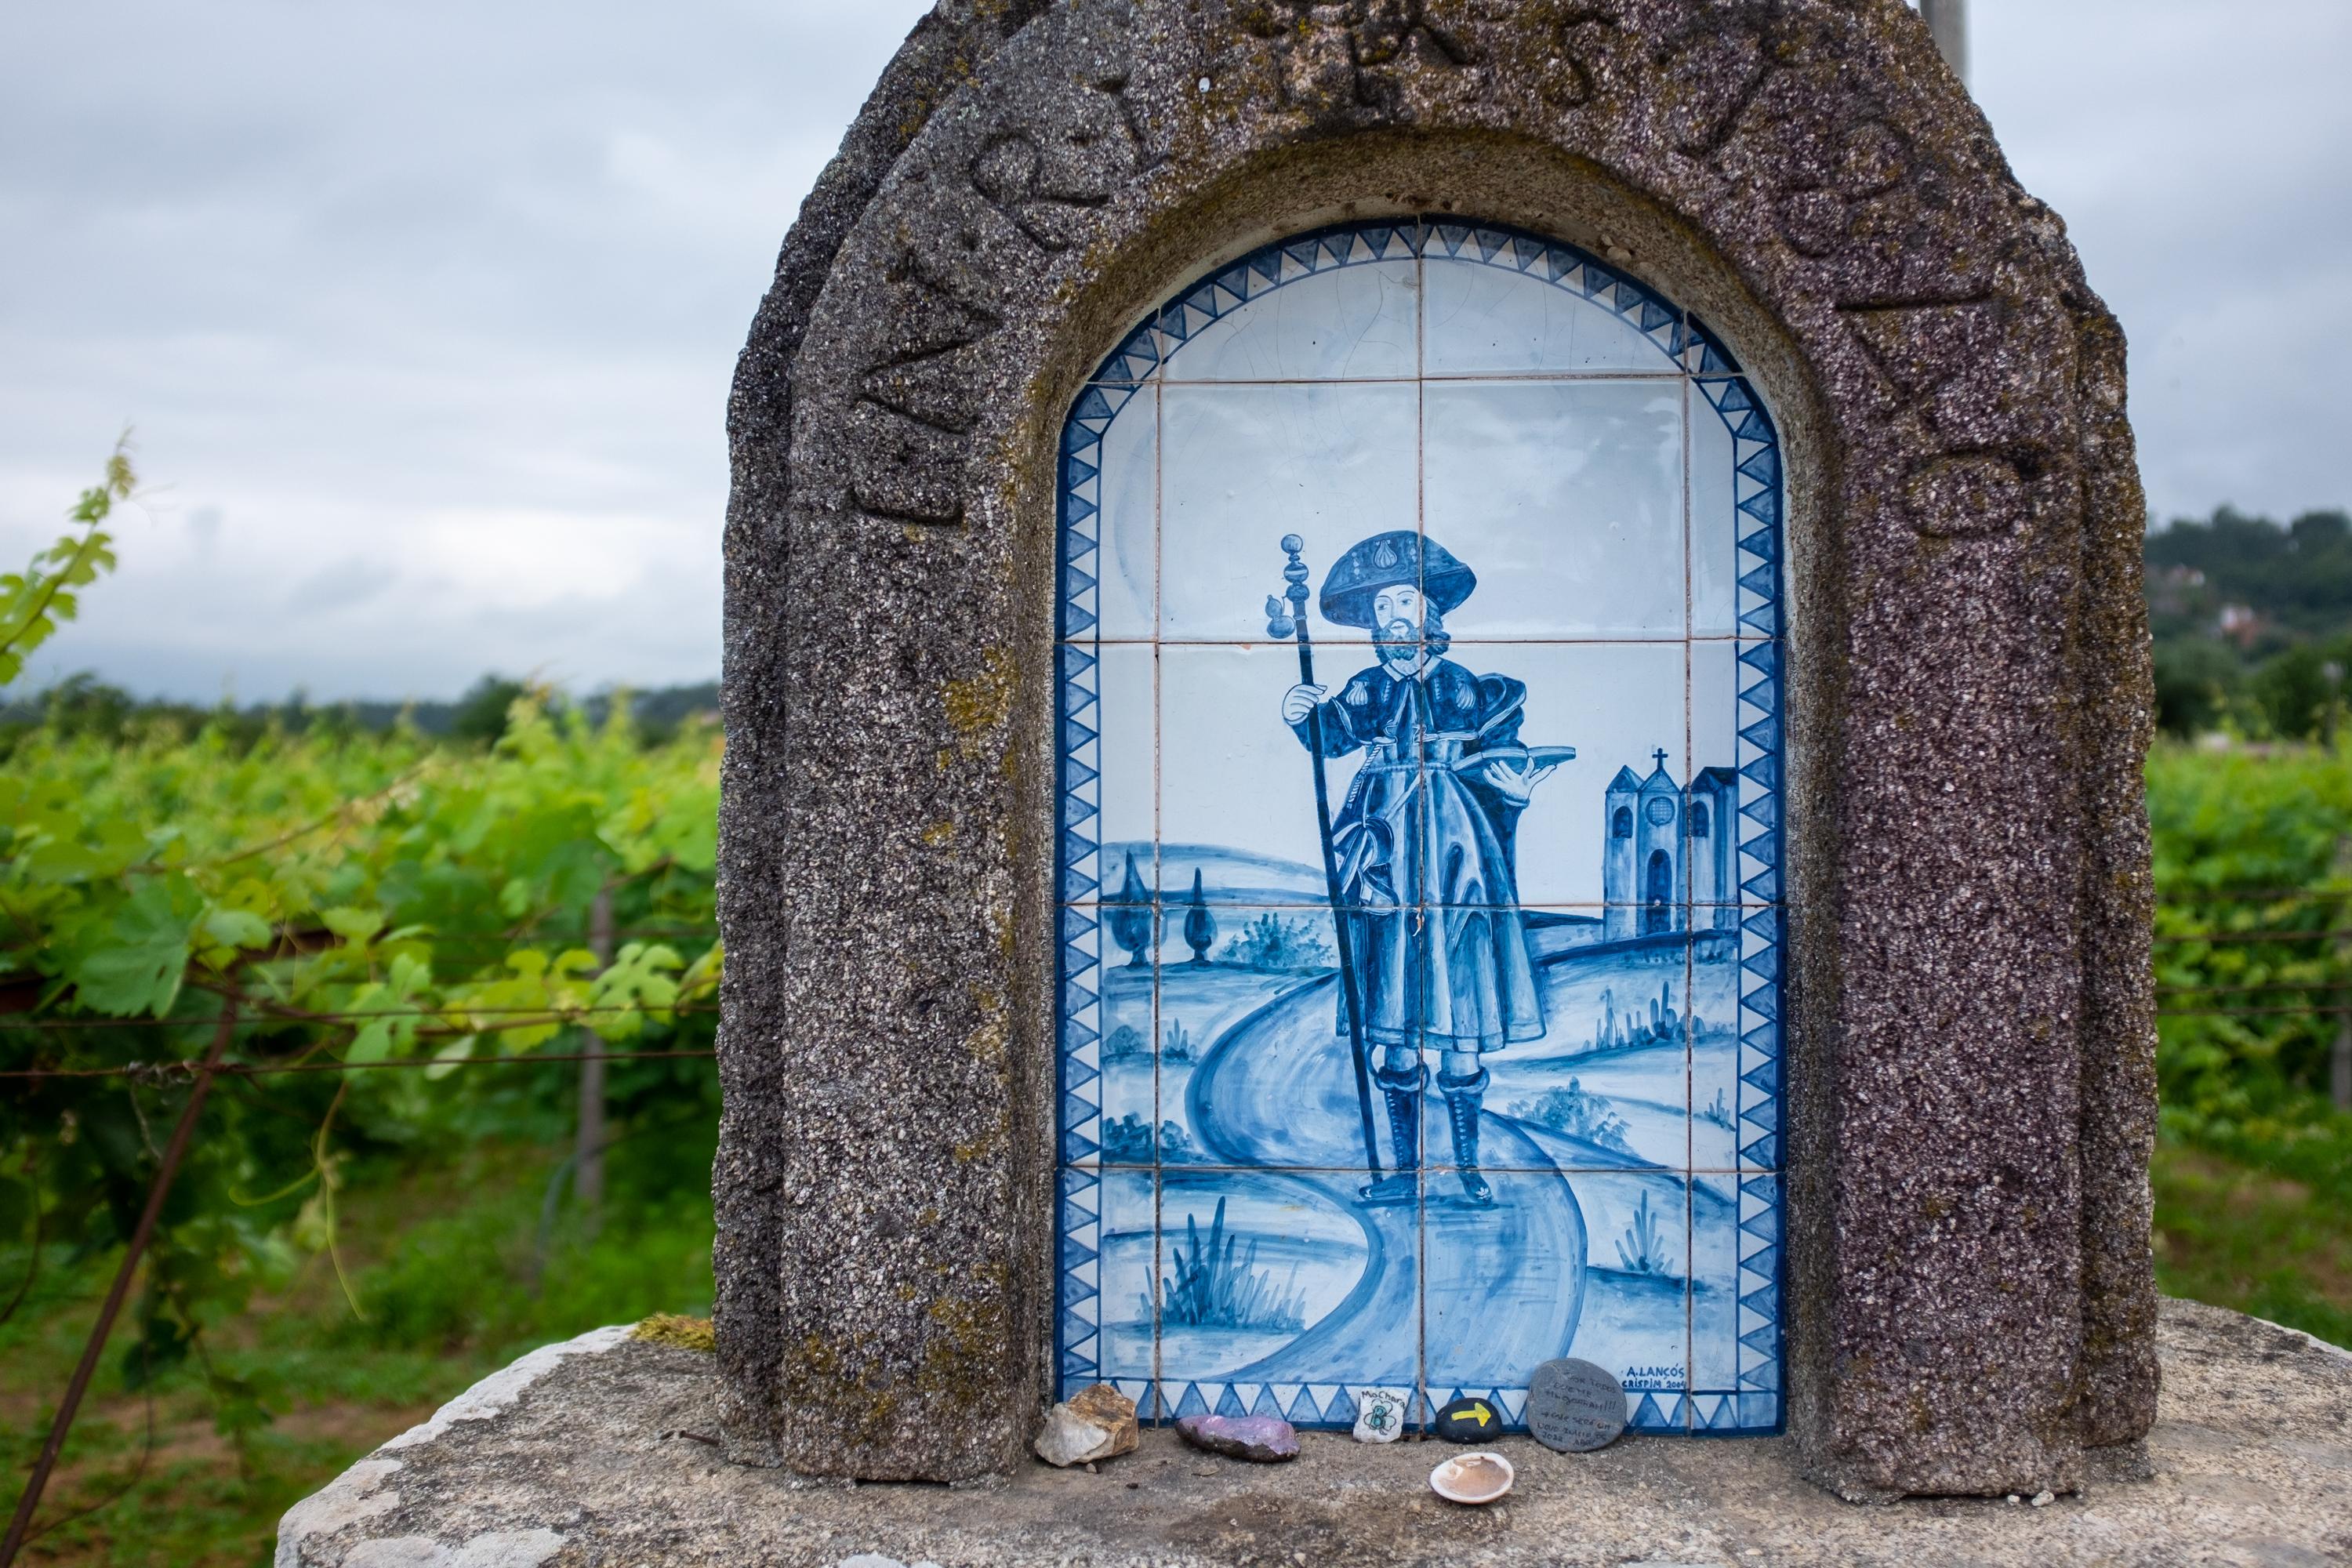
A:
[588, 1171]
[143, 1231]
[2340, 1062]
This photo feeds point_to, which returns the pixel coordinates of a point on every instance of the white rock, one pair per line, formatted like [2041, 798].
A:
[2043, 1500]
[1069, 1438]
[1099, 1423]
[1379, 1414]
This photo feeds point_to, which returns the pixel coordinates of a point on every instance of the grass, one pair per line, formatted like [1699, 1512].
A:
[456, 1278]
[456, 1273]
[2253, 1240]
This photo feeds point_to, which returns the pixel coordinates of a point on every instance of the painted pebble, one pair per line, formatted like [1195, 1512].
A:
[1379, 1414]
[1470, 1420]
[1575, 1406]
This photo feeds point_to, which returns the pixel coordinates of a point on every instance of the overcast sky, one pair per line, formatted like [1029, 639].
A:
[425, 311]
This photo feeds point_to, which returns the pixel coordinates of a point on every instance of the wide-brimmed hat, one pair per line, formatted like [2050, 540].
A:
[1386, 560]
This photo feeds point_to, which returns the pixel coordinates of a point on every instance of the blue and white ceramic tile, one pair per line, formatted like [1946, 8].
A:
[1241, 466]
[1249, 1031]
[1758, 714]
[1350, 323]
[1568, 987]
[1236, 782]
[1129, 1091]
[1590, 1265]
[1566, 498]
[1127, 490]
[1716, 525]
[1756, 1317]
[1713, 876]
[1715, 1285]
[1758, 1092]
[1607, 1087]
[1117, 719]
[1130, 1250]
[1283, 1277]
[1486, 319]
[1716, 984]
[1757, 492]
[1618, 706]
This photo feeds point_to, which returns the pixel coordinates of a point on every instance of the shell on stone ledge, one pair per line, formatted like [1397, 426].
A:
[1477, 1478]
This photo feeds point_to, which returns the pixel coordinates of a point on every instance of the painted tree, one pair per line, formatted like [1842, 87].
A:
[1200, 925]
[1130, 917]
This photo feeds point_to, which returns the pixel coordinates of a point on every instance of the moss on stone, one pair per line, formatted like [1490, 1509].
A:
[686, 1334]
[979, 705]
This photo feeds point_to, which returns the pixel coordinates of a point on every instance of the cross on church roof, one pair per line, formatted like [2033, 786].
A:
[1661, 754]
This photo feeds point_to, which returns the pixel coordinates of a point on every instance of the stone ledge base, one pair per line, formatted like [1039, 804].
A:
[599, 1452]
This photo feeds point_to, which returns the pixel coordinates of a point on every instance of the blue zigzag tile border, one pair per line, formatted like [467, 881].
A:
[1755, 1405]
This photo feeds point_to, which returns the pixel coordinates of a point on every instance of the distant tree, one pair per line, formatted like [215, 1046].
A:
[481, 713]
[2296, 692]
[1132, 916]
[2196, 680]
[1200, 925]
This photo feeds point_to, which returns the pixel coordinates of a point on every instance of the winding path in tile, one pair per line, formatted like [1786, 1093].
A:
[1495, 1290]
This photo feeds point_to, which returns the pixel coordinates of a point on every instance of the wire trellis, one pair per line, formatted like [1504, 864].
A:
[198, 1075]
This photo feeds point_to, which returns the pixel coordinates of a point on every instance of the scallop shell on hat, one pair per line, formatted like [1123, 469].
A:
[1473, 1478]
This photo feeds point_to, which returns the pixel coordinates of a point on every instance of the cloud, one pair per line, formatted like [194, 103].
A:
[2197, 153]
[425, 309]
[347, 582]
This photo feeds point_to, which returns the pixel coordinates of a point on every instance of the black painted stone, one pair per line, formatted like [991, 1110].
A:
[1470, 1420]
[1575, 1406]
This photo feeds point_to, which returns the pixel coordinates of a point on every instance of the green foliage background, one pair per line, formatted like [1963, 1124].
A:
[344, 1248]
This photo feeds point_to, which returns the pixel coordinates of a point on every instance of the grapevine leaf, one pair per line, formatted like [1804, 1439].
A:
[354, 925]
[371, 1044]
[446, 1060]
[133, 963]
[237, 928]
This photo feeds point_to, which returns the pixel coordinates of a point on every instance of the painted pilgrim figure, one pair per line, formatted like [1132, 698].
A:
[1425, 844]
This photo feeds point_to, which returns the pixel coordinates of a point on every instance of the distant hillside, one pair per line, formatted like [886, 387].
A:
[2285, 584]
[2252, 622]
[84, 704]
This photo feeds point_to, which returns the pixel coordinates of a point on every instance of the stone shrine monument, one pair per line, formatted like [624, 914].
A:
[1680, 898]
[1432, 705]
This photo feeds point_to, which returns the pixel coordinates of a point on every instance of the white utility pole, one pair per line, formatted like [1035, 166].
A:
[1948, 21]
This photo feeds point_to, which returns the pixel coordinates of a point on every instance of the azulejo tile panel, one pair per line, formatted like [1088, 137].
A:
[1420, 940]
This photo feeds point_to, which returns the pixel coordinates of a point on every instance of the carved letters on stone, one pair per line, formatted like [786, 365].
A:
[1569, 75]
[1967, 495]
[926, 386]
[1335, 57]
[920, 393]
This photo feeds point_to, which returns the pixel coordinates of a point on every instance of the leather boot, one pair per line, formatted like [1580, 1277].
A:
[1462, 1102]
[1402, 1185]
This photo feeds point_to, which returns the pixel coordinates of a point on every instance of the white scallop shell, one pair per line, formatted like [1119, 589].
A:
[1449, 1482]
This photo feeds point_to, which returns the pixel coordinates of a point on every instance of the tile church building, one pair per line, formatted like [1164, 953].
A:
[1669, 848]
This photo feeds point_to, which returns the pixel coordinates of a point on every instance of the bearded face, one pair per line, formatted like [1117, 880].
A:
[1407, 630]
[1396, 624]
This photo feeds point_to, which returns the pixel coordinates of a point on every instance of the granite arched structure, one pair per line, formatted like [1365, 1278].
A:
[1971, 1037]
